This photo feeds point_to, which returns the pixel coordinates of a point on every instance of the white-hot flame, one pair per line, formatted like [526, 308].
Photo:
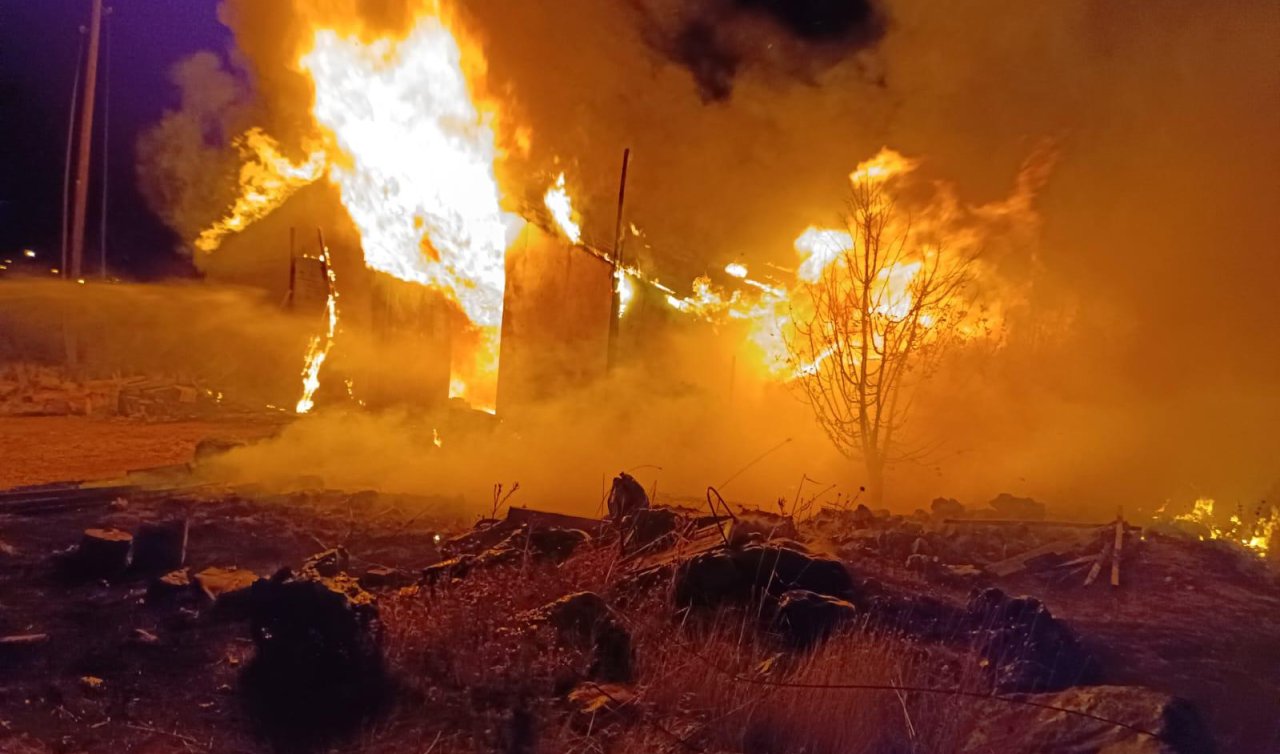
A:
[561, 208]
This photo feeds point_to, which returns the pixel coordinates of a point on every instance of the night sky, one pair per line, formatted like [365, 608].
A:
[39, 41]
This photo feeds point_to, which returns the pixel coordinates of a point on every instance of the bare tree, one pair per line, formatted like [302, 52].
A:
[874, 320]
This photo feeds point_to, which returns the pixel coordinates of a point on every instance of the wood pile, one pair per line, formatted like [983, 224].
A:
[36, 390]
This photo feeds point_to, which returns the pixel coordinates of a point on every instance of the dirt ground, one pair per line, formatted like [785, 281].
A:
[1192, 619]
[44, 449]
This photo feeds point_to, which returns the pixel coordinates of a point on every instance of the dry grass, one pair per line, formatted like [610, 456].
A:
[477, 677]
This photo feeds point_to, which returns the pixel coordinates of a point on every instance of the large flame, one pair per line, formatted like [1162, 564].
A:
[415, 167]
[267, 178]
[561, 208]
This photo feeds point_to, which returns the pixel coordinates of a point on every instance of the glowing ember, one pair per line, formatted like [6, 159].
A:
[320, 345]
[267, 179]
[561, 208]
[1256, 536]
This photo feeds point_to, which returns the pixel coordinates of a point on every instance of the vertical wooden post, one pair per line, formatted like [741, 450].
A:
[86, 143]
[618, 237]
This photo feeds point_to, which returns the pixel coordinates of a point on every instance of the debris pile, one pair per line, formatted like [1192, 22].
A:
[37, 390]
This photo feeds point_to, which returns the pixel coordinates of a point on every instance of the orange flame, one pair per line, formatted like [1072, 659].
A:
[318, 350]
[267, 179]
[413, 158]
[561, 208]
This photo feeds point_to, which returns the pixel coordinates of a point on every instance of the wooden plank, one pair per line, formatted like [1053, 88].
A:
[1097, 564]
[1010, 566]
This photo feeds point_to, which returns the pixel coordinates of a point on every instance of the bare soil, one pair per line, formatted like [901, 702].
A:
[44, 449]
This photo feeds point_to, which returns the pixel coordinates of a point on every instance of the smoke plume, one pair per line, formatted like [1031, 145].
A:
[1137, 367]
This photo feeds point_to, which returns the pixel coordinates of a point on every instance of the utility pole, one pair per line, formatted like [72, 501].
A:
[86, 144]
[618, 237]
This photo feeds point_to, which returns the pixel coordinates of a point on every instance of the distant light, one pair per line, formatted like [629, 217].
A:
[54, 270]
[80, 281]
[736, 270]
[29, 253]
[3, 267]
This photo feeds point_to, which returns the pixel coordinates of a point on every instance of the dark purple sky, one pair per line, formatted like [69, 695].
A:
[39, 41]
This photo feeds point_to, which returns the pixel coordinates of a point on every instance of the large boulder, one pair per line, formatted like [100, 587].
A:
[1010, 506]
[585, 619]
[556, 544]
[318, 666]
[1029, 648]
[725, 575]
[1150, 723]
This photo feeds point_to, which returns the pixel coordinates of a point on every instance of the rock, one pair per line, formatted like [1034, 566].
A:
[1009, 506]
[170, 587]
[862, 516]
[160, 546]
[723, 575]
[382, 577]
[556, 544]
[585, 618]
[576, 614]
[763, 525]
[806, 618]
[946, 507]
[922, 564]
[102, 553]
[895, 544]
[227, 588]
[1029, 648]
[651, 529]
[447, 570]
[921, 616]
[327, 564]
[1021, 728]
[626, 497]
[92, 684]
[595, 705]
[317, 665]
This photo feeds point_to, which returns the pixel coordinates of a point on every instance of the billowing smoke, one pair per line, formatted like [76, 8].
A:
[186, 169]
[1138, 367]
[716, 39]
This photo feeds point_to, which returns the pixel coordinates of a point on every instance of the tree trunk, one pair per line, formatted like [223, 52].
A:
[874, 495]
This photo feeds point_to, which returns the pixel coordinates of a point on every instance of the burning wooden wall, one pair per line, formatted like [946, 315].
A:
[555, 324]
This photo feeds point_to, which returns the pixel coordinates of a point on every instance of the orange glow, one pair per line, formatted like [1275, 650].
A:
[267, 179]
[412, 156]
[1255, 537]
